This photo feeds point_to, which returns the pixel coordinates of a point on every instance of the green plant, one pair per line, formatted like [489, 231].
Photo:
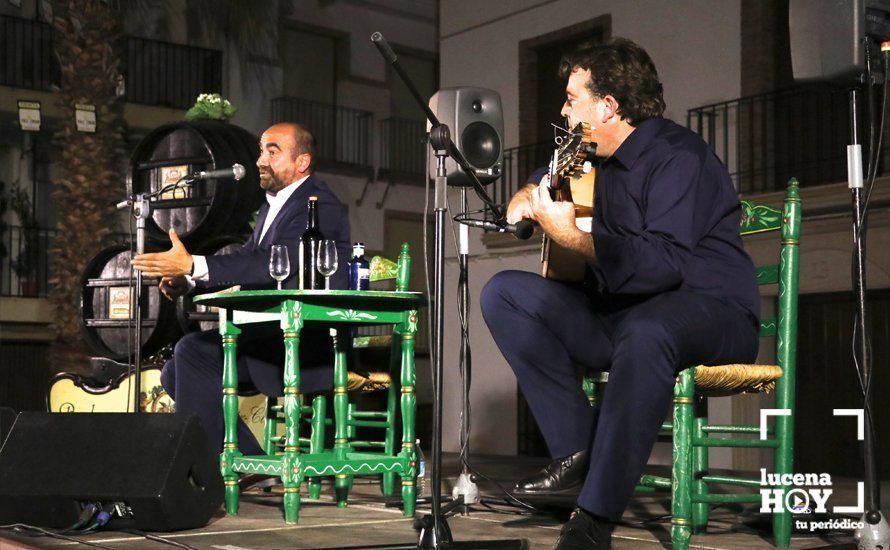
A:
[20, 202]
[211, 106]
[4, 202]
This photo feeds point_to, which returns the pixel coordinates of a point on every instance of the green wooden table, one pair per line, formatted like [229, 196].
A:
[337, 309]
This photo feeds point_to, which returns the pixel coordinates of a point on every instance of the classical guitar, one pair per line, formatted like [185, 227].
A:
[571, 179]
[72, 393]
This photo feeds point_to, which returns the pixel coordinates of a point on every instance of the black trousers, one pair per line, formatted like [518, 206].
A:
[544, 328]
[194, 376]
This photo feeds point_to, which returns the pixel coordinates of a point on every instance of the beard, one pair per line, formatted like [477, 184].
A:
[269, 181]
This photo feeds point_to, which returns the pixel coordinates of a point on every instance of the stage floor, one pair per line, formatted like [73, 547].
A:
[367, 522]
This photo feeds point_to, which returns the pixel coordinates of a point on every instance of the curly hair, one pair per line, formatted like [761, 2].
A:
[625, 71]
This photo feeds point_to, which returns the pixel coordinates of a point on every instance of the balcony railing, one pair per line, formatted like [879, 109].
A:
[26, 54]
[155, 73]
[167, 74]
[343, 134]
[519, 163]
[403, 148]
[768, 138]
[25, 261]
[24, 268]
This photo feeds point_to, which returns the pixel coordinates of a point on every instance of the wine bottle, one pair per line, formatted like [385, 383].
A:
[310, 277]
[359, 269]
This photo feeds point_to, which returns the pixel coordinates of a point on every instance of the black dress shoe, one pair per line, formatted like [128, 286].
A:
[561, 475]
[584, 532]
[257, 481]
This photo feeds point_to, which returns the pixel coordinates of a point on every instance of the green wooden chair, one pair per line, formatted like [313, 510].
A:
[382, 269]
[690, 482]
[274, 438]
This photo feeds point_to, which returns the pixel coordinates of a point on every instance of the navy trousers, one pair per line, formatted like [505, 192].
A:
[545, 328]
[194, 376]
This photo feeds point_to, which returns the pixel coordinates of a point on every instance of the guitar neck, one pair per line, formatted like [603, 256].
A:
[582, 211]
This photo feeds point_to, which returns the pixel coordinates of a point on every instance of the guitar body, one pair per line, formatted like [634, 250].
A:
[71, 393]
[558, 263]
[572, 180]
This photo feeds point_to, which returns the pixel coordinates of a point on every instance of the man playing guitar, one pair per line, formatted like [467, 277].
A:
[668, 285]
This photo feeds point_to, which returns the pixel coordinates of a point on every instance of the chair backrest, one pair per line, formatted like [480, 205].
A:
[786, 274]
[383, 269]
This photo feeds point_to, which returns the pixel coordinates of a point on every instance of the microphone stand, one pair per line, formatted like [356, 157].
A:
[875, 533]
[466, 488]
[434, 532]
[140, 206]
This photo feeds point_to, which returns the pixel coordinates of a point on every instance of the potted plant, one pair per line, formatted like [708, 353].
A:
[26, 263]
[4, 202]
[211, 106]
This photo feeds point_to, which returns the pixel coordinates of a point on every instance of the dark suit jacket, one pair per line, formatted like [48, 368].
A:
[260, 347]
[249, 265]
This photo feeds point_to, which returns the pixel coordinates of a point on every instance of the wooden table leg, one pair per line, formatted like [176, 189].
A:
[409, 476]
[291, 472]
[342, 482]
[229, 333]
[316, 440]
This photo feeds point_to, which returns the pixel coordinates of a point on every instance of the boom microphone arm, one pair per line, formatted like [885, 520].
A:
[455, 153]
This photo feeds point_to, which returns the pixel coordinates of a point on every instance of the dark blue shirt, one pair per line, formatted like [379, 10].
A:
[666, 216]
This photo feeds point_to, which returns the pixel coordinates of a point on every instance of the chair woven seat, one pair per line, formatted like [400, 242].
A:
[366, 383]
[723, 380]
[376, 341]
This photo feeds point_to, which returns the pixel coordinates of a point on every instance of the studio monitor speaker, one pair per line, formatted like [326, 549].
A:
[827, 37]
[476, 121]
[155, 471]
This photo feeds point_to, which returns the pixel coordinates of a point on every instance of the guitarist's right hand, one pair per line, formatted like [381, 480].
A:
[520, 207]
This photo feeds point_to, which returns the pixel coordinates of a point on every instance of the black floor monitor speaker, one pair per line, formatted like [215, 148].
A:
[7, 417]
[155, 471]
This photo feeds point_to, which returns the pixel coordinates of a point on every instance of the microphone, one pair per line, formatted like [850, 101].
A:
[383, 46]
[522, 230]
[235, 172]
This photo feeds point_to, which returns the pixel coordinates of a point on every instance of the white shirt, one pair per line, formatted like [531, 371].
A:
[276, 202]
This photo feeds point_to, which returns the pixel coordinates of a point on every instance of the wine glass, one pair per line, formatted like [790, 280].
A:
[279, 264]
[327, 260]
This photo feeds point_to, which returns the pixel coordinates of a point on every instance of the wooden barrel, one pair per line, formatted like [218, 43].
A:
[192, 316]
[209, 208]
[106, 305]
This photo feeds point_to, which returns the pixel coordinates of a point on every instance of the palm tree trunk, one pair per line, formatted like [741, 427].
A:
[91, 179]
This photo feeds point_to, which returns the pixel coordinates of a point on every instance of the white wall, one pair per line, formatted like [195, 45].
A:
[401, 25]
[695, 46]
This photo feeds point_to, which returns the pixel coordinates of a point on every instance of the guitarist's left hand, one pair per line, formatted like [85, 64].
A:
[556, 218]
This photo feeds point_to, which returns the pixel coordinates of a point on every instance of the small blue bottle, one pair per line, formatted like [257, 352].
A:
[359, 269]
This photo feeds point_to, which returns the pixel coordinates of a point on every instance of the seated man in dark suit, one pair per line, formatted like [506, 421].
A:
[194, 376]
[669, 285]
